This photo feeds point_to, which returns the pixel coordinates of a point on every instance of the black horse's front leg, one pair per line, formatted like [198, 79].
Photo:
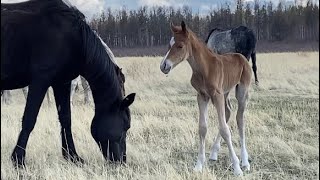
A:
[62, 98]
[37, 90]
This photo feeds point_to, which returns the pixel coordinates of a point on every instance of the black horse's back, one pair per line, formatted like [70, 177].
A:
[31, 5]
[26, 52]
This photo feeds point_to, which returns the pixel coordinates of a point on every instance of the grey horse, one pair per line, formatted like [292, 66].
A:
[240, 39]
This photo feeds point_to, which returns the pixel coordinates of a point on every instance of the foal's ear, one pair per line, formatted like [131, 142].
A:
[183, 27]
[127, 101]
[173, 27]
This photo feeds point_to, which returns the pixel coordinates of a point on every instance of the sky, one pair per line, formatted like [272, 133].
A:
[94, 7]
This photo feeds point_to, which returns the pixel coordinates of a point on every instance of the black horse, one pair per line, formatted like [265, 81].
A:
[236, 40]
[48, 43]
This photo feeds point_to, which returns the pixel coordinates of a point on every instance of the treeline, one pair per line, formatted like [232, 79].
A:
[149, 26]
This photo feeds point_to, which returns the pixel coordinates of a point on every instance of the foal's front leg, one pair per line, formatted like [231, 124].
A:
[203, 113]
[224, 131]
[62, 97]
[37, 91]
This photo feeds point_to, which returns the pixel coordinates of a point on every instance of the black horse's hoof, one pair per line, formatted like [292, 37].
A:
[257, 83]
[18, 160]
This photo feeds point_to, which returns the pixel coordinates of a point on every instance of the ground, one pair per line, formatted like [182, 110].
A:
[282, 127]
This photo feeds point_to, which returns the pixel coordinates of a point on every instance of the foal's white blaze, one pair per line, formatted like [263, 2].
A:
[172, 42]
[165, 57]
[166, 62]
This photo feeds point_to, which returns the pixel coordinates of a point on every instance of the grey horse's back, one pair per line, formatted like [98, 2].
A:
[240, 39]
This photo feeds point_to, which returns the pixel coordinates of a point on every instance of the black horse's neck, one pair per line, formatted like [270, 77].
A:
[100, 71]
[106, 91]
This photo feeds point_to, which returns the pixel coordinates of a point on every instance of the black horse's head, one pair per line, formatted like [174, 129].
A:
[109, 129]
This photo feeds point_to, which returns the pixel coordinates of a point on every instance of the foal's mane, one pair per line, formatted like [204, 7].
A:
[198, 41]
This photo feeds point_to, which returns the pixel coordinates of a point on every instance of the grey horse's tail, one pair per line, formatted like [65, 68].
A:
[254, 67]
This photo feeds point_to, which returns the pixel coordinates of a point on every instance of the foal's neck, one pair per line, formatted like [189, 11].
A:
[199, 55]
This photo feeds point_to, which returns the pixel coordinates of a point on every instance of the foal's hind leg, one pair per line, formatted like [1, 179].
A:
[62, 97]
[216, 144]
[242, 97]
[37, 91]
[224, 130]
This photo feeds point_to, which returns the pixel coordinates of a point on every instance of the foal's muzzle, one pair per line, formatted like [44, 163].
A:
[166, 66]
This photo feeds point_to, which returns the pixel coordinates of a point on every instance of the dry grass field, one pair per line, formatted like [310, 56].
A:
[282, 127]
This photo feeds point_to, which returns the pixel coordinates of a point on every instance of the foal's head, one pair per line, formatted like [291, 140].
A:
[179, 48]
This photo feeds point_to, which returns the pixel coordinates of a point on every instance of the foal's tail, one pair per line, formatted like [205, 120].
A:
[254, 67]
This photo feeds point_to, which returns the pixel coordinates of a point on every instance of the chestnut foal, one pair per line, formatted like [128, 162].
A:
[214, 76]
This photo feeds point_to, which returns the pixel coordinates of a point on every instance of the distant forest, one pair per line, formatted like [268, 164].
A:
[149, 26]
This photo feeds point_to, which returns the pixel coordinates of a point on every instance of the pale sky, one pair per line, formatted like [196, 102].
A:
[93, 7]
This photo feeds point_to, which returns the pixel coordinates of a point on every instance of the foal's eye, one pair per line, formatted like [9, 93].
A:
[180, 46]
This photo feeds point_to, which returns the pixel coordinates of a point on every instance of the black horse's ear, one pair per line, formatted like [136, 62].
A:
[127, 101]
[183, 27]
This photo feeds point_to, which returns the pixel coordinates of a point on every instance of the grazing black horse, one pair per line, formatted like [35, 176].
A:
[48, 43]
[236, 40]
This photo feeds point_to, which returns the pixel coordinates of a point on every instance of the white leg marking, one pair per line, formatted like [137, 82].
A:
[242, 97]
[215, 148]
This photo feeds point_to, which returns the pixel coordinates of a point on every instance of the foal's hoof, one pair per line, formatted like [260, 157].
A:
[213, 157]
[198, 168]
[237, 171]
[257, 83]
[245, 166]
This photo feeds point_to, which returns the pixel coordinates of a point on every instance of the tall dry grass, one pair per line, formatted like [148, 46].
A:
[282, 127]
